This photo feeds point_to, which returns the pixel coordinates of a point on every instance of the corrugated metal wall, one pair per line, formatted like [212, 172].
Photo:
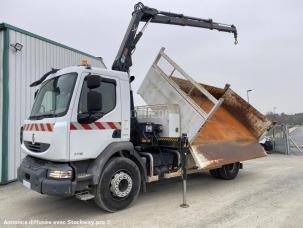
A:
[1, 95]
[25, 66]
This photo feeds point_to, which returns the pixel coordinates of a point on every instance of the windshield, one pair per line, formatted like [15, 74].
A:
[54, 97]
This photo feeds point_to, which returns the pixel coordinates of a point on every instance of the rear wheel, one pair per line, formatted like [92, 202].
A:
[214, 173]
[226, 172]
[119, 185]
[230, 171]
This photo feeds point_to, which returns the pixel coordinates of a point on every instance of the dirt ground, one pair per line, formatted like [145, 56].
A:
[267, 193]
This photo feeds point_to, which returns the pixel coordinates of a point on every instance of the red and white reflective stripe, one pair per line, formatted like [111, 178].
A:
[95, 126]
[38, 127]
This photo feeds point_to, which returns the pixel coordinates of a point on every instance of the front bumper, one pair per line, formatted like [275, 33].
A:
[33, 172]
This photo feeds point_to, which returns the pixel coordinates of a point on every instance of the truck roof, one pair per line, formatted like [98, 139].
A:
[118, 74]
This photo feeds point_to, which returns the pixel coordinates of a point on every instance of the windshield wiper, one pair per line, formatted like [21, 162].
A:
[53, 71]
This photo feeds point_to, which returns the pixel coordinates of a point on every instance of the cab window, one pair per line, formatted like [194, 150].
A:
[108, 91]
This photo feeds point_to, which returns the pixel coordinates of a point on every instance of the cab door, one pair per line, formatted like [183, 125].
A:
[88, 140]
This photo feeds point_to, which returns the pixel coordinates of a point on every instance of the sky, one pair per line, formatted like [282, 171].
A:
[268, 58]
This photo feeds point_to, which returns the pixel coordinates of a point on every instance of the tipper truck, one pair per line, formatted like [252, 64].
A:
[85, 138]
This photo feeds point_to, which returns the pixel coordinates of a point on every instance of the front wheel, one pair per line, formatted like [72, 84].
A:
[119, 185]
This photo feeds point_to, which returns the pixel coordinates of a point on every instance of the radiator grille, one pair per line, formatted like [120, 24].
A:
[37, 147]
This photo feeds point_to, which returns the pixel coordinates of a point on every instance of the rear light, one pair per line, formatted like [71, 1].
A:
[60, 174]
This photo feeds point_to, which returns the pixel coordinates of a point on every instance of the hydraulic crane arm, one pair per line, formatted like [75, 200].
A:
[143, 13]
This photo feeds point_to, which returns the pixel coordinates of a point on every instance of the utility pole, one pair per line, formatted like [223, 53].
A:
[247, 91]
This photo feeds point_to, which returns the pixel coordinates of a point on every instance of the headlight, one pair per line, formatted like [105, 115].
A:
[60, 174]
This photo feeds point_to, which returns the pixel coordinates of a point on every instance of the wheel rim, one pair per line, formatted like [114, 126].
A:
[121, 184]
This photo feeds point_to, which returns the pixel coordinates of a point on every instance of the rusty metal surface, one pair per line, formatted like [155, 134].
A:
[217, 154]
[232, 133]
[246, 113]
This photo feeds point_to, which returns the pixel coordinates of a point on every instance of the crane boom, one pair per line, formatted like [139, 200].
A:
[146, 14]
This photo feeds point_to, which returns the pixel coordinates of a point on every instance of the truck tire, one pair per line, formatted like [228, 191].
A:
[214, 173]
[229, 171]
[119, 185]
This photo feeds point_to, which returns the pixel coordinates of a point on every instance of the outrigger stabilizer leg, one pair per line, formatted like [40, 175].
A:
[184, 145]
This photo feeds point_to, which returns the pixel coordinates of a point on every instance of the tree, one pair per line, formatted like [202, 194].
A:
[290, 119]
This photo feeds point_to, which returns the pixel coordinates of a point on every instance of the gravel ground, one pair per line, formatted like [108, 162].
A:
[267, 193]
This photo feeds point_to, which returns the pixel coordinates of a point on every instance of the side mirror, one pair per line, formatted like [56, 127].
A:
[93, 81]
[36, 93]
[131, 79]
[94, 102]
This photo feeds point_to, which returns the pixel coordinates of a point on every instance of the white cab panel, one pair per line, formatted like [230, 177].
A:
[88, 141]
[125, 109]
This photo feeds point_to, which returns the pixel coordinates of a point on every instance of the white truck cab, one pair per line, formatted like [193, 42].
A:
[79, 112]
[54, 130]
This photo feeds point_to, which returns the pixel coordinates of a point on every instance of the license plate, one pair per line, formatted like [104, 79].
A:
[27, 184]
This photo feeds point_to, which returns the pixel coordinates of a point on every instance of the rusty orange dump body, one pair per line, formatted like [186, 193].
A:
[231, 134]
[221, 126]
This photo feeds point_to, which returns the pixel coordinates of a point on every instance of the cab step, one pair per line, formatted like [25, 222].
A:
[84, 196]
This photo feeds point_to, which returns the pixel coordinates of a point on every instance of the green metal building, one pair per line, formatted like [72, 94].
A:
[25, 57]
